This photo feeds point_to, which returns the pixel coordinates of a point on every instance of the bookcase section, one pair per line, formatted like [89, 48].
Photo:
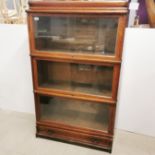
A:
[76, 49]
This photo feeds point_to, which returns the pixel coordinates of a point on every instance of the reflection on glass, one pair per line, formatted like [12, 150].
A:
[75, 112]
[95, 35]
[91, 79]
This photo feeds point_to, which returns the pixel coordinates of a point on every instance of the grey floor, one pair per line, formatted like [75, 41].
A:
[17, 137]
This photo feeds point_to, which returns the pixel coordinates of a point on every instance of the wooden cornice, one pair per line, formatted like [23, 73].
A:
[77, 6]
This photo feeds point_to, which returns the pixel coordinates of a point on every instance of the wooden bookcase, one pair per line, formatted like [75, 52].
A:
[76, 49]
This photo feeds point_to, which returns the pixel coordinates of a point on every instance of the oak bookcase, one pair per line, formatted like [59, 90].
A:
[76, 49]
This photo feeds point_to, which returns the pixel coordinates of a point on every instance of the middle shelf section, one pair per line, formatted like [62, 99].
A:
[74, 77]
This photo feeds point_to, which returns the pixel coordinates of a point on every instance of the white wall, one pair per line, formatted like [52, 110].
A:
[15, 71]
[136, 106]
[136, 100]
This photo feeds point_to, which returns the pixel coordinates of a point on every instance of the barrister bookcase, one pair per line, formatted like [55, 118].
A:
[76, 50]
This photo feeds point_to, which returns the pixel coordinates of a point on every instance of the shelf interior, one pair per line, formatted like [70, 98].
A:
[83, 78]
[87, 35]
[82, 114]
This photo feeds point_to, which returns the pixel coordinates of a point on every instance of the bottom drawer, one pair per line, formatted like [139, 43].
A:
[98, 142]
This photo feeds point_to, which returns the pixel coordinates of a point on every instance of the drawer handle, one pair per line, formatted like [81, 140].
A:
[95, 140]
[50, 132]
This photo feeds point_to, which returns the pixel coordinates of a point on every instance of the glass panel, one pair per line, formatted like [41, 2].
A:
[95, 35]
[84, 78]
[78, 113]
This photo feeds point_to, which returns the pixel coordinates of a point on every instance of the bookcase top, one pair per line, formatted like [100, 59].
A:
[113, 6]
[105, 2]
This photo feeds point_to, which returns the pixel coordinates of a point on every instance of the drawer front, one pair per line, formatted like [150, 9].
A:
[75, 137]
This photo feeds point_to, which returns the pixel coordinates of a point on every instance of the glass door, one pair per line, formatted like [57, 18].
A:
[77, 113]
[75, 34]
[83, 78]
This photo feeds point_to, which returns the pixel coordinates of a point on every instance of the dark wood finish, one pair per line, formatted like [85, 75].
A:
[120, 36]
[77, 7]
[48, 128]
[75, 137]
[77, 3]
[150, 5]
[69, 94]
[77, 58]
